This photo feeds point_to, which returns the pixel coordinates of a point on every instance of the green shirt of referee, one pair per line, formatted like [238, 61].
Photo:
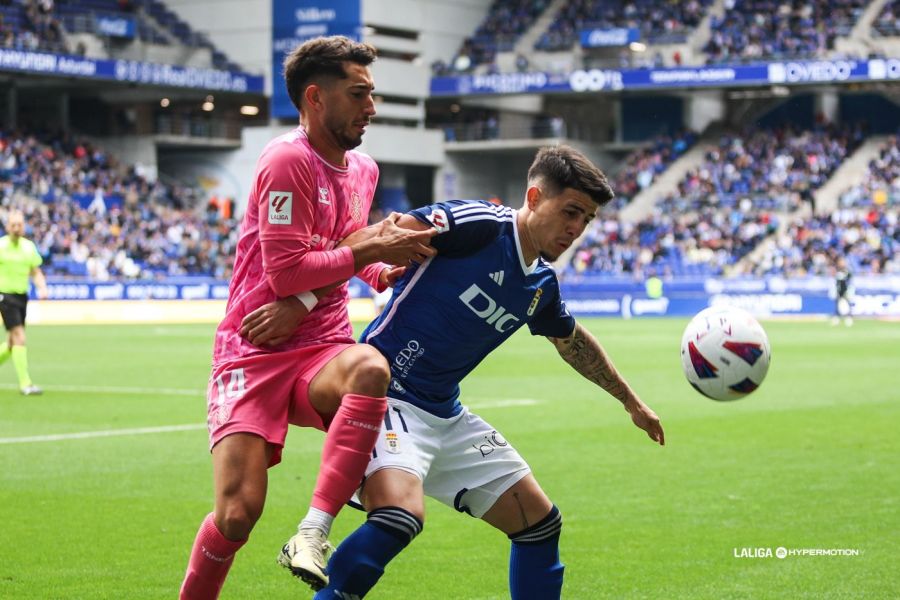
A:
[19, 262]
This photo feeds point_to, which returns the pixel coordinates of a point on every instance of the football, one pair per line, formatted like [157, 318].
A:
[725, 353]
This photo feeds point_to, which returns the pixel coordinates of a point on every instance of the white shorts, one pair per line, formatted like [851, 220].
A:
[462, 461]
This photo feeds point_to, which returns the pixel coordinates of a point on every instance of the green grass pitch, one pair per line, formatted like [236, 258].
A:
[808, 461]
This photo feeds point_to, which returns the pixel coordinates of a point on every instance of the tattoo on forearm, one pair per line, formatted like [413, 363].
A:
[521, 510]
[588, 358]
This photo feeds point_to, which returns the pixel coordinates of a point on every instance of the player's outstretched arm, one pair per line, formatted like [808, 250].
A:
[584, 352]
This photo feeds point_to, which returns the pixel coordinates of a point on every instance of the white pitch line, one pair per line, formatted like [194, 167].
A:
[99, 389]
[474, 402]
[82, 435]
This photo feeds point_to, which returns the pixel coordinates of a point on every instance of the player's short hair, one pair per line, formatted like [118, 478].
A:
[561, 167]
[322, 57]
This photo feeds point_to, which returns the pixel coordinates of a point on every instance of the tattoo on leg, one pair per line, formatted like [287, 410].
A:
[521, 510]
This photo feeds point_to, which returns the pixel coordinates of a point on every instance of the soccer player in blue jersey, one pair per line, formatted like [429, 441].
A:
[490, 277]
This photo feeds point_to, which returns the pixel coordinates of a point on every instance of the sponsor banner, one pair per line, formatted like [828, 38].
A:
[113, 26]
[761, 305]
[874, 296]
[600, 80]
[173, 289]
[294, 22]
[129, 71]
[597, 38]
[79, 312]
[775, 296]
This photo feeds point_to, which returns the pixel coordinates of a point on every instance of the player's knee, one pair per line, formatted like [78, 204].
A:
[548, 529]
[398, 522]
[370, 375]
[237, 518]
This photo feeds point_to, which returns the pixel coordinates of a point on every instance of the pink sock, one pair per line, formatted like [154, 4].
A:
[347, 450]
[211, 557]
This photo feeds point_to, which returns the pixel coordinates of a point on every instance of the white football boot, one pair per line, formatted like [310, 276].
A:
[306, 556]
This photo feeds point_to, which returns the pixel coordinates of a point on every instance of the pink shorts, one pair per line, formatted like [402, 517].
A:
[262, 394]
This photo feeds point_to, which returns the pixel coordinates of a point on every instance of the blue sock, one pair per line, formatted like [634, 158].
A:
[535, 572]
[359, 561]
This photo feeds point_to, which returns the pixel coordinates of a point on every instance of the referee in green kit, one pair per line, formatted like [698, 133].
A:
[19, 260]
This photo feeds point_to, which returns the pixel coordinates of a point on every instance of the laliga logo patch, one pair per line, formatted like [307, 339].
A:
[392, 442]
[534, 301]
[280, 208]
[438, 218]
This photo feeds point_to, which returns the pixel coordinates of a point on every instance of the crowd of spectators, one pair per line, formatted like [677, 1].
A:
[748, 31]
[869, 240]
[31, 25]
[764, 169]
[887, 23]
[765, 29]
[668, 21]
[703, 243]
[505, 22]
[881, 184]
[90, 216]
[735, 199]
[642, 167]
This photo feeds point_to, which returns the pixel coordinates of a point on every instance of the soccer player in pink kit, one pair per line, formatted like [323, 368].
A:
[310, 191]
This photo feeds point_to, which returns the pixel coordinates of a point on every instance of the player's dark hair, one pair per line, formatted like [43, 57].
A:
[322, 57]
[561, 167]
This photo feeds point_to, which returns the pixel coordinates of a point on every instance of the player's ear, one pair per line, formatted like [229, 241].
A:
[533, 196]
[312, 96]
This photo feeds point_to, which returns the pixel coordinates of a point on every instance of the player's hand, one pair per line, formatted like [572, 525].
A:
[389, 277]
[399, 246]
[42, 293]
[273, 323]
[644, 417]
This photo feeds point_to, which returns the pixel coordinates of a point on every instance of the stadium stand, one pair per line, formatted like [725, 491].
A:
[887, 23]
[868, 239]
[31, 25]
[643, 166]
[91, 217]
[505, 22]
[772, 170]
[80, 16]
[881, 183]
[45, 25]
[748, 183]
[659, 22]
[755, 29]
[699, 244]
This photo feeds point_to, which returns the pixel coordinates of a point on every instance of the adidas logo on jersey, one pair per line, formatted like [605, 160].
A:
[497, 277]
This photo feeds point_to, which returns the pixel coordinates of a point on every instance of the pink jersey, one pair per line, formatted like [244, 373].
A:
[300, 207]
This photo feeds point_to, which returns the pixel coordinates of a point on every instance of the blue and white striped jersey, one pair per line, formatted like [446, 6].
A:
[451, 311]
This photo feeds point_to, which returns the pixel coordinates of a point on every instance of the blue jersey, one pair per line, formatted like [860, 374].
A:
[451, 311]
